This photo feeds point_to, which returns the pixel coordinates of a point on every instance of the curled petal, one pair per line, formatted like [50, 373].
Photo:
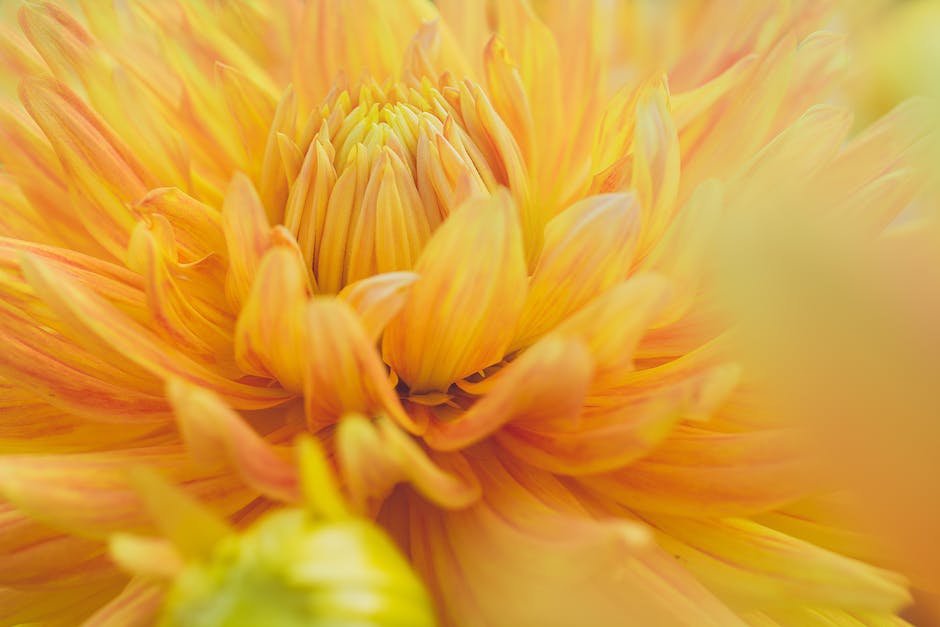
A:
[545, 386]
[374, 457]
[152, 253]
[214, 434]
[378, 299]
[343, 371]
[611, 436]
[476, 299]
[197, 227]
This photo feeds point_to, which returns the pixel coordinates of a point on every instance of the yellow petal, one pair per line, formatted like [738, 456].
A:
[588, 248]
[795, 154]
[387, 234]
[700, 473]
[378, 299]
[507, 92]
[681, 254]
[655, 164]
[252, 110]
[103, 173]
[192, 527]
[266, 338]
[305, 211]
[273, 181]
[151, 252]
[197, 227]
[247, 236]
[725, 144]
[331, 33]
[823, 617]
[145, 556]
[752, 566]
[476, 299]
[96, 318]
[612, 324]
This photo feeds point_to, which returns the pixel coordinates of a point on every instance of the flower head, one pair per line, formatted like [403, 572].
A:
[465, 245]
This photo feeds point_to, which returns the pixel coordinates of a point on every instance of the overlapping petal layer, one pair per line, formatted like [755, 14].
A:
[467, 247]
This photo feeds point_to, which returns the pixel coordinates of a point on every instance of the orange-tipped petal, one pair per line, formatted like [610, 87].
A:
[215, 435]
[68, 607]
[343, 370]
[546, 385]
[87, 312]
[247, 236]
[103, 173]
[267, 337]
[174, 314]
[474, 299]
[378, 299]
[37, 556]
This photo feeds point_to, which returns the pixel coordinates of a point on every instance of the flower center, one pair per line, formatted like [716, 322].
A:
[384, 166]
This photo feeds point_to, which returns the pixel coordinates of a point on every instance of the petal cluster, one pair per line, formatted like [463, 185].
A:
[465, 245]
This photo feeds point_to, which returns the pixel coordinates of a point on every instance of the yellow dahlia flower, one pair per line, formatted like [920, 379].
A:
[481, 225]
